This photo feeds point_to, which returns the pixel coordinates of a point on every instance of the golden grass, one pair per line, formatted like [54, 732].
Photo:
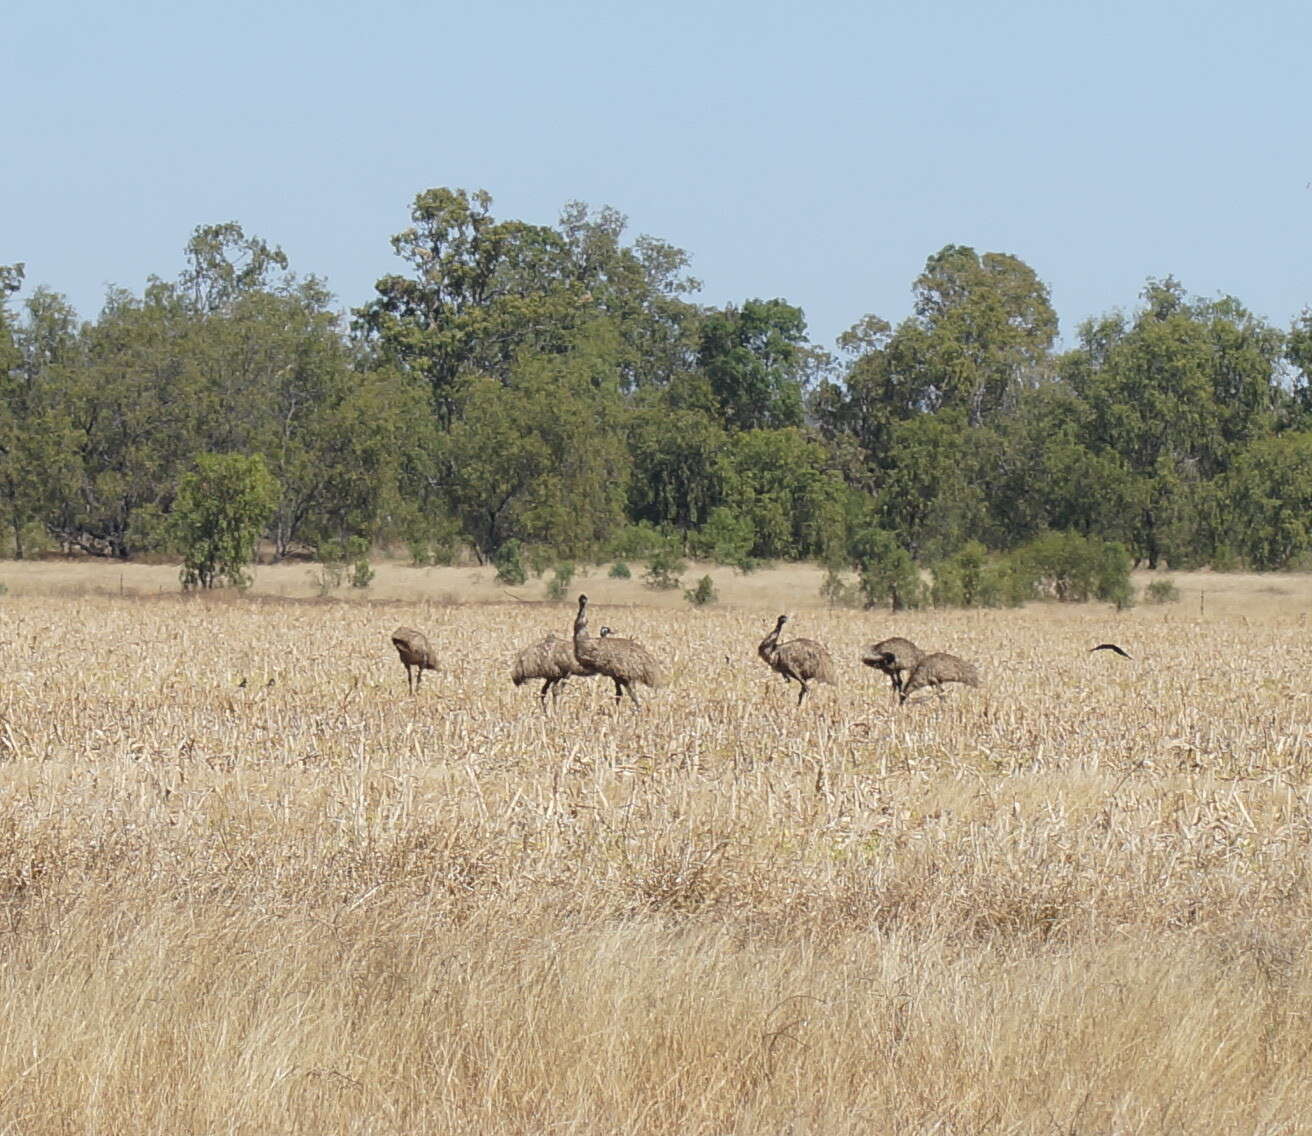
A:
[1074, 900]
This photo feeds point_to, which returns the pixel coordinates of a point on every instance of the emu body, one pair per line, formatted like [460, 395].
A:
[550, 659]
[936, 669]
[802, 660]
[622, 661]
[896, 657]
[416, 654]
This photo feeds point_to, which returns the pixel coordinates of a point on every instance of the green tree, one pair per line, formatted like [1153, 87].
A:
[541, 459]
[1174, 394]
[1269, 499]
[779, 481]
[220, 511]
[755, 359]
[887, 572]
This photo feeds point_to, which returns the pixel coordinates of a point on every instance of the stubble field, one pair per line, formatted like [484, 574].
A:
[1074, 900]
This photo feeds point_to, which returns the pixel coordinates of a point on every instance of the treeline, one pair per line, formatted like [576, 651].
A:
[555, 393]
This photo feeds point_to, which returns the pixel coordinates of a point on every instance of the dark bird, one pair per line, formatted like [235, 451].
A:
[623, 661]
[415, 651]
[895, 657]
[550, 659]
[936, 669]
[1111, 647]
[802, 660]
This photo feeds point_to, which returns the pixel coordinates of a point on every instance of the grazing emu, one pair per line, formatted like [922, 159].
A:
[415, 651]
[802, 659]
[896, 657]
[622, 661]
[551, 659]
[1111, 647]
[936, 669]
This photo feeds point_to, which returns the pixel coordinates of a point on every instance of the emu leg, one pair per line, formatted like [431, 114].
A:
[805, 688]
[619, 691]
[634, 695]
[542, 694]
[409, 679]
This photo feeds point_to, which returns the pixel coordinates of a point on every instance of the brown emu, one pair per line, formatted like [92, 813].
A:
[936, 669]
[895, 657]
[550, 659]
[415, 651]
[622, 661]
[803, 660]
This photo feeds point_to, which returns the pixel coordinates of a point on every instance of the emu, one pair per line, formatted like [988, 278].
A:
[936, 669]
[552, 660]
[623, 661]
[415, 651]
[803, 660]
[896, 657]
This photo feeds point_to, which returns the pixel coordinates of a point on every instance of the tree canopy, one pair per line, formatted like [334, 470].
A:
[556, 389]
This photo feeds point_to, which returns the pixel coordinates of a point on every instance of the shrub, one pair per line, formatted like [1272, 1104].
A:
[1072, 568]
[837, 592]
[560, 581]
[362, 572]
[221, 508]
[636, 542]
[727, 538]
[1161, 592]
[620, 571]
[663, 570]
[886, 571]
[704, 593]
[509, 564]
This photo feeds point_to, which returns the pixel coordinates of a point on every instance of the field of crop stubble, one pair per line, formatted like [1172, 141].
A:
[1074, 900]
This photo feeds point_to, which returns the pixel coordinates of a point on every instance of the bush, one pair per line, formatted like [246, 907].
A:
[704, 593]
[726, 538]
[636, 542]
[362, 572]
[1161, 592]
[886, 571]
[620, 571]
[509, 564]
[1072, 568]
[221, 508]
[560, 581]
[837, 592]
[663, 570]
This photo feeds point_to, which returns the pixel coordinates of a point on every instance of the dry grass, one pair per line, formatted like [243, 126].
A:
[1074, 900]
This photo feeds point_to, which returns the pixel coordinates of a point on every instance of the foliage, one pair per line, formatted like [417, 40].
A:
[560, 581]
[1161, 592]
[664, 570]
[552, 385]
[754, 361]
[619, 571]
[726, 538]
[221, 508]
[703, 594]
[509, 564]
[1269, 491]
[838, 592]
[886, 571]
[1072, 568]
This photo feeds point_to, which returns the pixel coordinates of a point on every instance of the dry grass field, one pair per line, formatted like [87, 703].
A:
[1075, 900]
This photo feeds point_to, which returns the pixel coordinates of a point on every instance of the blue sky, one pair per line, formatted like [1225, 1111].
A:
[819, 152]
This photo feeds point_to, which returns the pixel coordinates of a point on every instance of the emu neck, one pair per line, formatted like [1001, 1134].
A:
[581, 625]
